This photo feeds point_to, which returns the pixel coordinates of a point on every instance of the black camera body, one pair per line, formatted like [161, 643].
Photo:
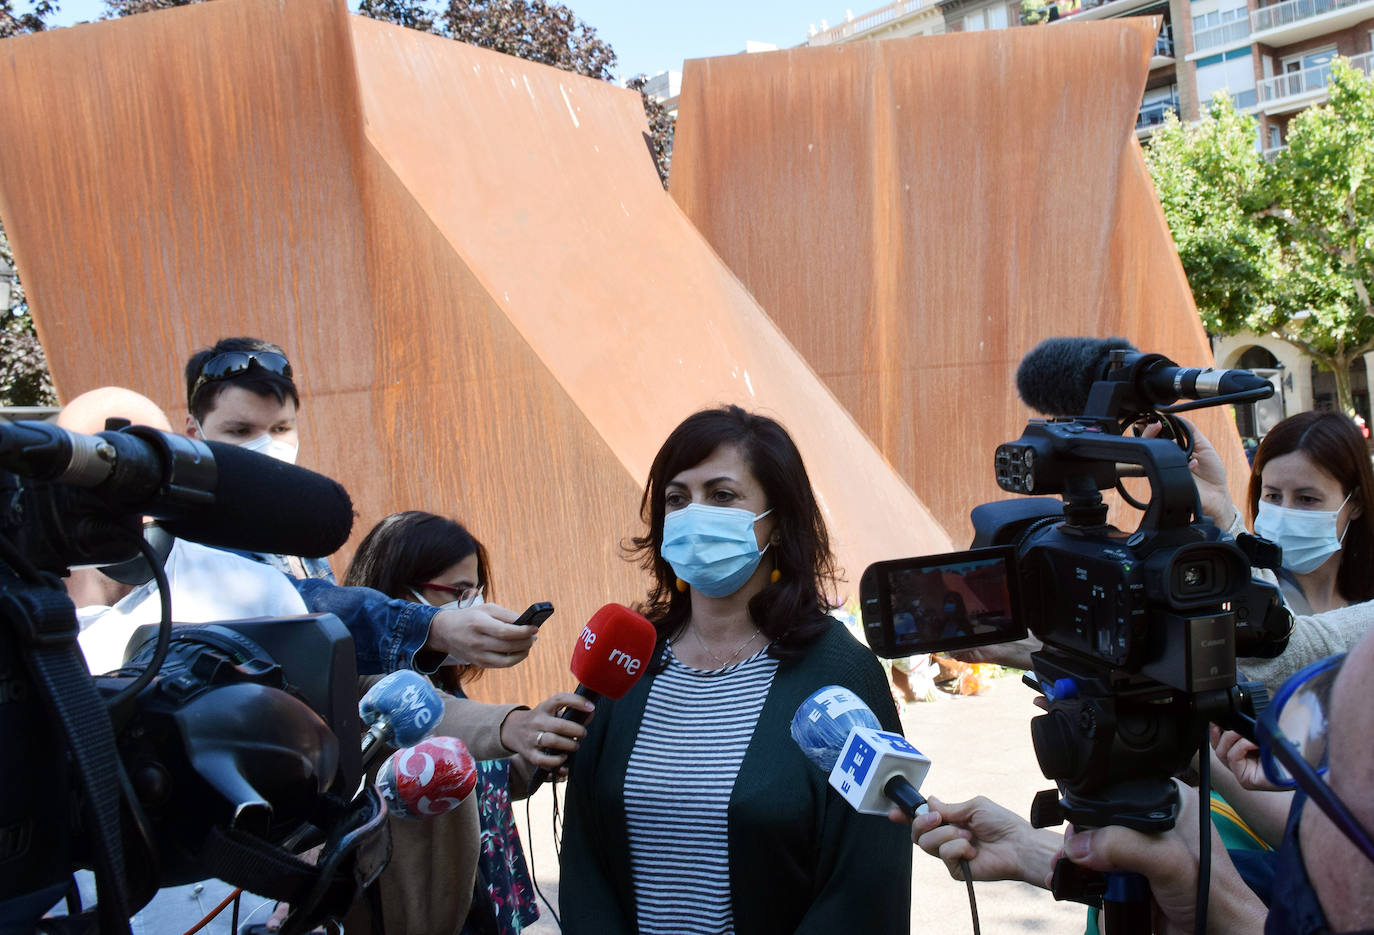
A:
[218, 750]
[1140, 629]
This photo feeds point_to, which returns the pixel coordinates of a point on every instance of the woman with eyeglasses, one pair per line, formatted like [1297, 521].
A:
[427, 558]
[690, 807]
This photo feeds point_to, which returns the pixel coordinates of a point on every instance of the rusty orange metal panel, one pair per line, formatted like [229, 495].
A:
[494, 309]
[916, 214]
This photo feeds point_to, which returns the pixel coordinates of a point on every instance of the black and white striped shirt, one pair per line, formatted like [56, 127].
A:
[697, 725]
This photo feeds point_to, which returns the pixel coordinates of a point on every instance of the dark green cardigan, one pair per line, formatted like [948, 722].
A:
[801, 860]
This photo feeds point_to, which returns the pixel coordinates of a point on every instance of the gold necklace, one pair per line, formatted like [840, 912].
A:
[722, 663]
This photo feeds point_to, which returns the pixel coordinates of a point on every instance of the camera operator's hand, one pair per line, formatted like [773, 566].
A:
[1209, 475]
[997, 843]
[483, 635]
[1169, 861]
[529, 732]
[1242, 758]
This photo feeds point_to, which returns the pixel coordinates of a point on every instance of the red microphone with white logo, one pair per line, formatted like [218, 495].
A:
[610, 655]
[428, 779]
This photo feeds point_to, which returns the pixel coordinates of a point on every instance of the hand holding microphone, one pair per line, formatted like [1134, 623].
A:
[399, 710]
[430, 778]
[983, 840]
[611, 654]
[540, 735]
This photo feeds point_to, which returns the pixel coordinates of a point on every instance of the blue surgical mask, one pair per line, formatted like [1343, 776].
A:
[1308, 537]
[712, 548]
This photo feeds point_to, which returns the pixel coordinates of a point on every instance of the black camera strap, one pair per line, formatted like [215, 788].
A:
[357, 850]
[44, 622]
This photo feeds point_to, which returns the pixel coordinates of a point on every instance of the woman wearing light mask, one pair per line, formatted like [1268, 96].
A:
[690, 808]
[428, 885]
[1312, 492]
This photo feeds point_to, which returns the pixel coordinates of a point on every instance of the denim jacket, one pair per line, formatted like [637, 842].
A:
[387, 633]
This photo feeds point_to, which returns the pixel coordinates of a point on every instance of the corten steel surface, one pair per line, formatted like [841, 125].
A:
[916, 214]
[493, 308]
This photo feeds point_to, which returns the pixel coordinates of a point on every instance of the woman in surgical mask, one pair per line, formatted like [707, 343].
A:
[428, 886]
[1312, 492]
[690, 808]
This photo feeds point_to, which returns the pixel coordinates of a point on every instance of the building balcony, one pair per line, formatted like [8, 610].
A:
[1295, 90]
[1151, 116]
[1236, 32]
[1292, 21]
[868, 22]
[1164, 49]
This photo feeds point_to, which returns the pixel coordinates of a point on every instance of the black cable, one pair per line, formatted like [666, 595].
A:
[534, 878]
[972, 902]
[164, 630]
[1204, 861]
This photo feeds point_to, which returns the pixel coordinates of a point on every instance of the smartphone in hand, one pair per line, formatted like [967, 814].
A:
[535, 614]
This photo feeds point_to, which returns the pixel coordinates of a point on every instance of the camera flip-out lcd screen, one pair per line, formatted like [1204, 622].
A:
[940, 602]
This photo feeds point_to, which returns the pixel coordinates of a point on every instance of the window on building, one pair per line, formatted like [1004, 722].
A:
[997, 17]
[973, 22]
[1308, 71]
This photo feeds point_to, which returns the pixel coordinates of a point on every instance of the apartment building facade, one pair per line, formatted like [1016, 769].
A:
[1273, 59]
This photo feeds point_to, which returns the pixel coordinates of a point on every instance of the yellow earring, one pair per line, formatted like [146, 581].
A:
[681, 586]
[775, 576]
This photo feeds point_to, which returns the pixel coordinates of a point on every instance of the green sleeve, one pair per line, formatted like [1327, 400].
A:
[589, 902]
[865, 871]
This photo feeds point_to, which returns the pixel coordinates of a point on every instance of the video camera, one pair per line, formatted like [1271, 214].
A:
[1140, 629]
[219, 750]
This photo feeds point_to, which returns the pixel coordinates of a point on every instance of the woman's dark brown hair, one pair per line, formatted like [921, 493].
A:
[1334, 444]
[407, 549]
[788, 611]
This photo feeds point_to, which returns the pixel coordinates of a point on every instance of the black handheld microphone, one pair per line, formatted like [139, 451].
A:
[206, 492]
[1056, 377]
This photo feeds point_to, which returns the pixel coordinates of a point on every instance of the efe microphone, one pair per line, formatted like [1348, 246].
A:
[868, 766]
[610, 655]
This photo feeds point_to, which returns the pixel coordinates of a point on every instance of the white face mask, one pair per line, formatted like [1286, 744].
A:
[263, 444]
[1308, 537]
[273, 448]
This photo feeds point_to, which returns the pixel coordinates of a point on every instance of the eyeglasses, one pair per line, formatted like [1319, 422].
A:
[1292, 733]
[231, 364]
[463, 597]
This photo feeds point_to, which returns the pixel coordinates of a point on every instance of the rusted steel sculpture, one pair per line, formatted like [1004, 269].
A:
[494, 309]
[916, 214]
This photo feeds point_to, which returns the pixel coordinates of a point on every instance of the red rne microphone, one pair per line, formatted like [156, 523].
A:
[610, 655]
[428, 779]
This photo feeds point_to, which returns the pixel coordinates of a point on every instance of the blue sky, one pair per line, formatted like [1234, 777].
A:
[651, 36]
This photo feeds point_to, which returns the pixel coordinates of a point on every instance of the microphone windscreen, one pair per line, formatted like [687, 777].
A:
[613, 650]
[265, 505]
[405, 703]
[823, 722]
[428, 779]
[1057, 375]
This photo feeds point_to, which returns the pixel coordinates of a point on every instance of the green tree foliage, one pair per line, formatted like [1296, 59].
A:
[1284, 246]
[24, 379]
[16, 24]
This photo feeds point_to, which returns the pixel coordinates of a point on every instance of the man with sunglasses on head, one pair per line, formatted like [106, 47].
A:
[1315, 739]
[241, 392]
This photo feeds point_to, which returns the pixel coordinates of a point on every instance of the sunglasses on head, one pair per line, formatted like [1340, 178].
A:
[232, 364]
